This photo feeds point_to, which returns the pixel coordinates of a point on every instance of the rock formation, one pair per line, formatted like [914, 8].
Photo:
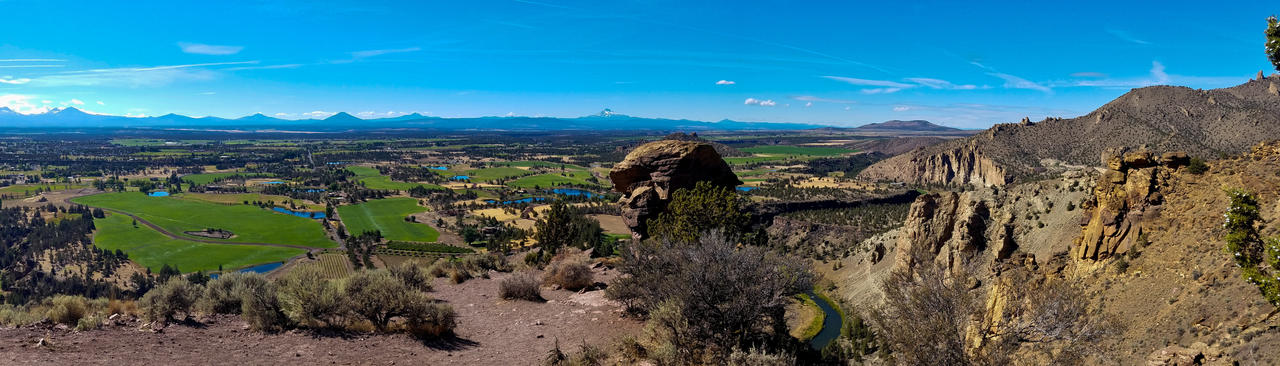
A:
[651, 172]
[1203, 123]
[1124, 194]
[963, 165]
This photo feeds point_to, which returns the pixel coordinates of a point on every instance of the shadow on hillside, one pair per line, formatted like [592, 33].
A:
[451, 343]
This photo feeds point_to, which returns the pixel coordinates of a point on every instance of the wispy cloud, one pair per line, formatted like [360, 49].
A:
[1013, 81]
[209, 49]
[1156, 75]
[726, 82]
[11, 81]
[889, 86]
[27, 66]
[760, 102]
[940, 84]
[101, 103]
[318, 114]
[266, 67]
[1088, 74]
[76, 102]
[374, 53]
[811, 98]
[21, 103]
[31, 60]
[133, 76]
[1126, 36]
[869, 82]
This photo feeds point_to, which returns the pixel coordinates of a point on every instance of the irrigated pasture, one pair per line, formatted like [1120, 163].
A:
[250, 224]
[375, 180]
[153, 250]
[387, 216]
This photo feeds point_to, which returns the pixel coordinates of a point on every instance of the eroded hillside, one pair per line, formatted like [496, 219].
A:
[1141, 238]
[1202, 123]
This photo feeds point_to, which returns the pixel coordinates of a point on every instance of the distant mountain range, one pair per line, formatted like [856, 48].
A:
[72, 118]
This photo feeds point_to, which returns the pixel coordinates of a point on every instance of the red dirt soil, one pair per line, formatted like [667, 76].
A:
[491, 331]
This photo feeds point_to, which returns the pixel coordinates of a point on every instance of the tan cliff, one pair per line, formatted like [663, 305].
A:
[1202, 123]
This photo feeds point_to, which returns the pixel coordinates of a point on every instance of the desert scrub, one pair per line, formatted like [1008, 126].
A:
[67, 310]
[1258, 259]
[569, 274]
[169, 299]
[521, 286]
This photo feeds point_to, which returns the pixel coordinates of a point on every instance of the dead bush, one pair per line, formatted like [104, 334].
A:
[521, 286]
[570, 274]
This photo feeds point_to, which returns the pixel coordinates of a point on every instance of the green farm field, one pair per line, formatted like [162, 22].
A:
[206, 178]
[487, 174]
[239, 198]
[374, 180]
[250, 224]
[153, 250]
[797, 150]
[552, 180]
[387, 215]
[28, 190]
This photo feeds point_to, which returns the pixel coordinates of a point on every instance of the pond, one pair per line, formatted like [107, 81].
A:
[747, 189]
[460, 177]
[522, 200]
[273, 182]
[438, 167]
[574, 192]
[314, 190]
[831, 324]
[158, 194]
[261, 268]
[304, 214]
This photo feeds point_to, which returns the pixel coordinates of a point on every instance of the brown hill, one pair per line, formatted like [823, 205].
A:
[1203, 123]
[1143, 240]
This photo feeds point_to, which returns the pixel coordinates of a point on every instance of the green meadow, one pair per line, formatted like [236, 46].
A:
[552, 180]
[206, 178]
[249, 223]
[387, 216]
[374, 180]
[797, 150]
[153, 250]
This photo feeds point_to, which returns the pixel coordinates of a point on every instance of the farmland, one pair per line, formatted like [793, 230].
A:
[387, 216]
[374, 180]
[152, 249]
[553, 179]
[249, 223]
[207, 178]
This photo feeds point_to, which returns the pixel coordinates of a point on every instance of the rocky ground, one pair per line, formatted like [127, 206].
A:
[491, 331]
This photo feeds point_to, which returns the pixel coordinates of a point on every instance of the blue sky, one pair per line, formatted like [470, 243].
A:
[963, 64]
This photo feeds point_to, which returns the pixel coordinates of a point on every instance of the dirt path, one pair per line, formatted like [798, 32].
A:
[491, 331]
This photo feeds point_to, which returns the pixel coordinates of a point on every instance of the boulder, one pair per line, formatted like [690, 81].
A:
[648, 175]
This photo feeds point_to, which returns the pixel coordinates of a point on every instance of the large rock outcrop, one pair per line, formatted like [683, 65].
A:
[650, 173]
[1125, 193]
[1202, 123]
[963, 165]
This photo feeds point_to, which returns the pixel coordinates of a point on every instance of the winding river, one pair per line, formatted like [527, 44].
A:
[831, 323]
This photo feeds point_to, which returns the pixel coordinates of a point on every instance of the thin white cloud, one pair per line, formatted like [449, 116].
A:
[11, 81]
[868, 82]
[27, 66]
[22, 103]
[31, 60]
[810, 98]
[208, 93]
[881, 90]
[1088, 74]
[1020, 83]
[265, 67]
[373, 53]
[209, 49]
[76, 101]
[901, 108]
[808, 104]
[760, 102]
[1155, 76]
[133, 76]
[726, 82]
[1127, 37]
[941, 84]
[1157, 72]
[318, 114]
[101, 103]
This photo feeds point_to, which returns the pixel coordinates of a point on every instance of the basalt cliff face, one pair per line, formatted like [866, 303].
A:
[1202, 123]
[651, 172]
[1140, 236]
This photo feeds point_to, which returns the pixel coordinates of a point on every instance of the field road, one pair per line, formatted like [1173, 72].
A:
[178, 237]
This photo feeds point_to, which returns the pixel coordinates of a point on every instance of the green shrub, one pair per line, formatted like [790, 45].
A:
[307, 297]
[425, 319]
[169, 299]
[67, 310]
[221, 295]
[409, 273]
[1258, 259]
[377, 296]
[1197, 166]
[521, 286]
[259, 305]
